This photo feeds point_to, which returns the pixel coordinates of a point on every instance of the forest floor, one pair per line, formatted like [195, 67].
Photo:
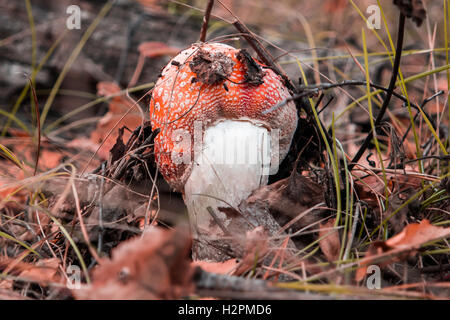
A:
[84, 213]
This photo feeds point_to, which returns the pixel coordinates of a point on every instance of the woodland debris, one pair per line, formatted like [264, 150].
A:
[412, 9]
[401, 246]
[154, 266]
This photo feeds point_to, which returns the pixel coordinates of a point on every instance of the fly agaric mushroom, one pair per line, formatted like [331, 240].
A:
[216, 142]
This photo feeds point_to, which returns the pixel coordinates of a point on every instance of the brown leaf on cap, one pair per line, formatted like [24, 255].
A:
[401, 246]
[253, 72]
[412, 9]
[211, 68]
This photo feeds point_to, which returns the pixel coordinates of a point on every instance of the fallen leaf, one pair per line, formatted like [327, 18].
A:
[44, 271]
[256, 248]
[153, 266]
[401, 246]
[9, 175]
[114, 118]
[330, 243]
[155, 6]
[49, 159]
[332, 6]
[153, 49]
[416, 234]
[289, 198]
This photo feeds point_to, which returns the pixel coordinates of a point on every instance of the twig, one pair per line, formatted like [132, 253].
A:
[326, 104]
[312, 90]
[100, 211]
[206, 20]
[433, 269]
[395, 68]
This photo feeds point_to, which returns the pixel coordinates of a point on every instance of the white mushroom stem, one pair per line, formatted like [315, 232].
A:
[234, 160]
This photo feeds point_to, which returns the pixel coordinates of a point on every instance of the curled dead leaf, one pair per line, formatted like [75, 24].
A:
[44, 271]
[401, 246]
[154, 266]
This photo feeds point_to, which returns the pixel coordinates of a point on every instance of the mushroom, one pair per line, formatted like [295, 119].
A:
[220, 136]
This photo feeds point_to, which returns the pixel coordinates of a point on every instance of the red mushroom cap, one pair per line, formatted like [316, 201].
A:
[210, 82]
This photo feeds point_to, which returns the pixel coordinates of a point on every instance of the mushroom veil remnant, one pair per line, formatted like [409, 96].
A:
[216, 146]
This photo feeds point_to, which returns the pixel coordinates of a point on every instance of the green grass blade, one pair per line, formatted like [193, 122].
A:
[23, 244]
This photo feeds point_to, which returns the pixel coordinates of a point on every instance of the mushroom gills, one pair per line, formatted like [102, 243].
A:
[234, 159]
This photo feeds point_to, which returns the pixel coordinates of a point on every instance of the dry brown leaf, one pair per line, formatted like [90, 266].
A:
[25, 149]
[49, 159]
[118, 106]
[154, 266]
[289, 198]
[152, 5]
[372, 184]
[331, 6]
[44, 271]
[330, 243]
[416, 234]
[256, 247]
[153, 49]
[9, 175]
[402, 245]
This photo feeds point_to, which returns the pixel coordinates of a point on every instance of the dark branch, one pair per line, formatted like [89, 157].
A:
[206, 20]
[398, 55]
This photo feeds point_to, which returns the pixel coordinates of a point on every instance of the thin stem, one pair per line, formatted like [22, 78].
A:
[206, 20]
[395, 68]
